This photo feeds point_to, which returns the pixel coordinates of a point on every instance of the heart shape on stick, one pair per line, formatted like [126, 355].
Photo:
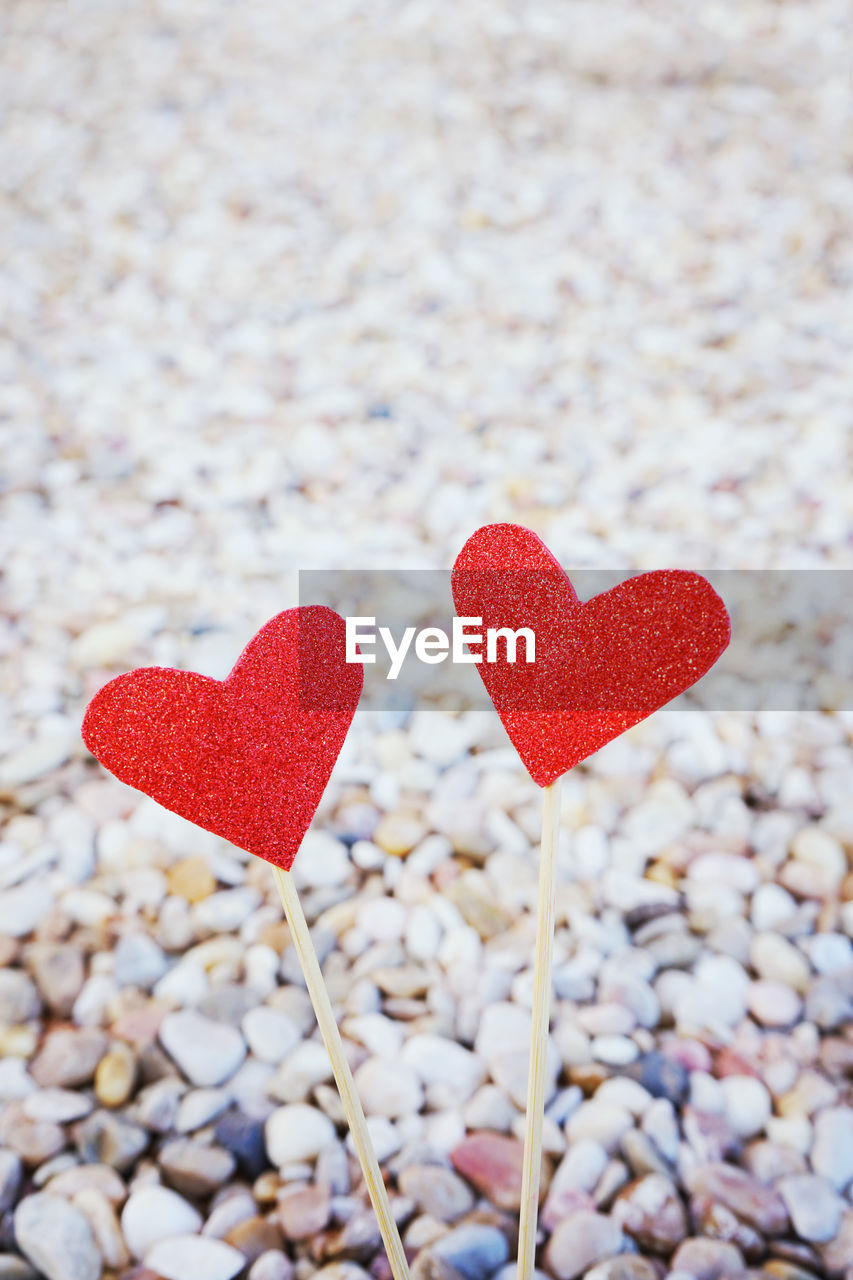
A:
[248, 757]
[600, 666]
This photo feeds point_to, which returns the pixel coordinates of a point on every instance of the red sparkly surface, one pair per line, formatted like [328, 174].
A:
[601, 666]
[247, 757]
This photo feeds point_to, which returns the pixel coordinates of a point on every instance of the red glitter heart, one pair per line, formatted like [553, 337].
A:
[248, 757]
[600, 666]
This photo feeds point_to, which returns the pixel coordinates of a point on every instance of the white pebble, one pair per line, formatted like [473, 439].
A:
[153, 1213]
[194, 1258]
[748, 1105]
[297, 1132]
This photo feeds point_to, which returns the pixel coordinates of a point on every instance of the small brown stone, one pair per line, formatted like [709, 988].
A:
[492, 1162]
[266, 1188]
[115, 1076]
[398, 833]
[276, 936]
[303, 1210]
[191, 878]
[650, 1210]
[255, 1236]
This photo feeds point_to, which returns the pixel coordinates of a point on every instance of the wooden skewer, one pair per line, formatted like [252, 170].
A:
[343, 1076]
[532, 1167]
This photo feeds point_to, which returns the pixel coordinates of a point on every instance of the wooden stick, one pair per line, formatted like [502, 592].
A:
[532, 1168]
[343, 1076]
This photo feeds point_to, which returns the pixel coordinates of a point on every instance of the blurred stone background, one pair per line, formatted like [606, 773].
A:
[327, 286]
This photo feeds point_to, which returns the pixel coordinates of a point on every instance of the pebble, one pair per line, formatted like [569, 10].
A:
[156, 1106]
[308, 1065]
[207, 1052]
[154, 1213]
[771, 907]
[56, 1238]
[297, 1132]
[384, 1135]
[324, 862]
[11, 1174]
[100, 1176]
[832, 1152]
[243, 1136]
[773, 1004]
[388, 1088]
[198, 1107]
[819, 849]
[777, 960]
[621, 1092]
[194, 1168]
[303, 1211]
[254, 1236]
[829, 952]
[138, 961]
[19, 998]
[34, 1141]
[661, 1076]
[837, 1253]
[69, 1057]
[189, 1257]
[423, 934]
[59, 971]
[747, 1105]
[580, 1241]
[492, 1163]
[15, 1080]
[626, 1267]
[814, 1206]
[115, 1076]
[101, 1217]
[652, 1213]
[22, 907]
[58, 1106]
[14, 1267]
[758, 1206]
[272, 1265]
[436, 1191]
[33, 761]
[707, 1259]
[104, 1137]
[474, 1250]
[449, 1072]
[600, 1122]
[191, 878]
[233, 1205]
[616, 1051]
[225, 911]
[642, 1154]
[489, 1108]
[270, 1034]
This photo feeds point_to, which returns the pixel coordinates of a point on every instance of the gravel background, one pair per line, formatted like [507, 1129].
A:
[328, 286]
